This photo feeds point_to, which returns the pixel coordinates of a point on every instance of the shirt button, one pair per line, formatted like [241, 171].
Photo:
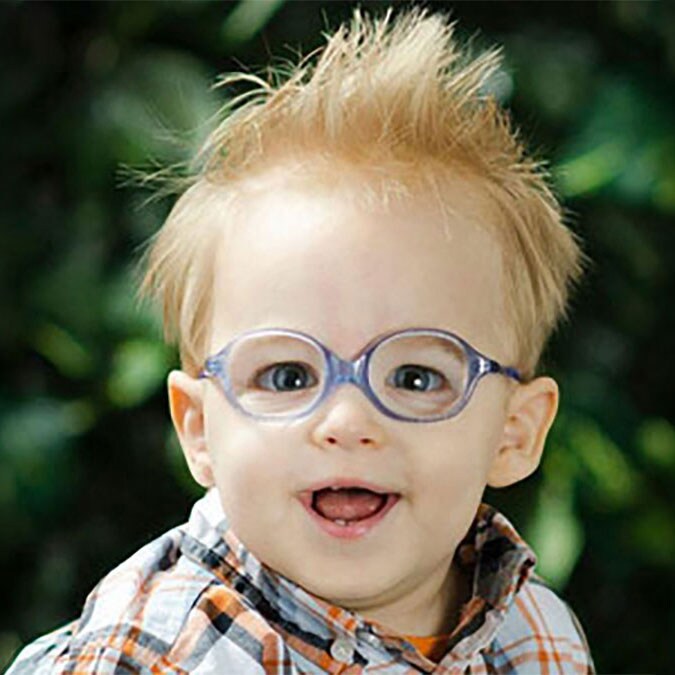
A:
[342, 650]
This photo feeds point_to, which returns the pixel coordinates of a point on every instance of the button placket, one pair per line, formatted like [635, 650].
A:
[371, 640]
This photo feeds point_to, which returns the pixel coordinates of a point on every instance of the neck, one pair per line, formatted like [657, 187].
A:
[431, 608]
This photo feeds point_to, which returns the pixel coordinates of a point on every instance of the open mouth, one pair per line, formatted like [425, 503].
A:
[348, 505]
[348, 512]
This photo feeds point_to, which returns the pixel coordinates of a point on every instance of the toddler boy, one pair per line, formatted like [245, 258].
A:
[361, 278]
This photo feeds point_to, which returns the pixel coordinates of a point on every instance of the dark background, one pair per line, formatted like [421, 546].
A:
[89, 466]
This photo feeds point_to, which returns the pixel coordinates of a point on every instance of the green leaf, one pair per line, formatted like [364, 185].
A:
[63, 350]
[616, 482]
[138, 370]
[555, 535]
[248, 18]
[656, 442]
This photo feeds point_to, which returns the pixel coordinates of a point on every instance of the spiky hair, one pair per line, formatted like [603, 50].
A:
[394, 96]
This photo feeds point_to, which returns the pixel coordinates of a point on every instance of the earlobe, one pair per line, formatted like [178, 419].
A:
[531, 411]
[186, 406]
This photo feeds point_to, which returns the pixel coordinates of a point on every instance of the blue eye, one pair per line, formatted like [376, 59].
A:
[417, 378]
[288, 376]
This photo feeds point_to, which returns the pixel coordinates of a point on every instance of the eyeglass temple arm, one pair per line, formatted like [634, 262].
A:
[204, 372]
[209, 369]
[494, 367]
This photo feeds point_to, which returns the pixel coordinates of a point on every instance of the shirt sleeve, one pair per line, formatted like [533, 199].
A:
[583, 638]
[56, 653]
[40, 656]
[565, 623]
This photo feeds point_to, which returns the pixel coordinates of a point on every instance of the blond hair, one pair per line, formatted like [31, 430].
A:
[392, 91]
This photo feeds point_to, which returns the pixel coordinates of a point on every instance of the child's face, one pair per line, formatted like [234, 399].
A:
[308, 261]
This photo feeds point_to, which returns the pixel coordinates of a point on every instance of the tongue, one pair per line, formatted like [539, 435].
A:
[348, 503]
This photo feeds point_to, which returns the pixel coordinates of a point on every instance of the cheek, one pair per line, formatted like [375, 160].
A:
[250, 485]
[456, 473]
[242, 467]
[250, 469]
[447, 504]
[461, 452]
[451, 475]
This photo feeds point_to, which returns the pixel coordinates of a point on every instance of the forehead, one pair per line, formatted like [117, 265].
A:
[317, 260]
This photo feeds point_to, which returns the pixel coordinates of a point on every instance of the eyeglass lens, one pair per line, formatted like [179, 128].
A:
[412, 375]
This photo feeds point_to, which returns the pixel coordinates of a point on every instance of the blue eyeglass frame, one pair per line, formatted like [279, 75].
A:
[341, 371]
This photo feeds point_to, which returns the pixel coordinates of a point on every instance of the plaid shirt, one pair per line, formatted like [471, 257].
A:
[195, 600]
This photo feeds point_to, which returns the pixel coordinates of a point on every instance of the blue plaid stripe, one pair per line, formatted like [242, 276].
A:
[197, 601]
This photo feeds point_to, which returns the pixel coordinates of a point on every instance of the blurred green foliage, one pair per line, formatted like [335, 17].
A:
[90, 468]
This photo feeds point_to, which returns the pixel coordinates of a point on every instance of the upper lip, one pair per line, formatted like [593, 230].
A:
[345, 482]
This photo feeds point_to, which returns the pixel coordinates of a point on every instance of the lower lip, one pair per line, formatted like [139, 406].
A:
[350, 531]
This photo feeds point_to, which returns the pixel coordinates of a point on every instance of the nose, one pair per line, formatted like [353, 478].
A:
[348, 421]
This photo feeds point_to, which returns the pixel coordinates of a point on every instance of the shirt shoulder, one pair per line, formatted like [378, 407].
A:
[158, 611]
[540, 627]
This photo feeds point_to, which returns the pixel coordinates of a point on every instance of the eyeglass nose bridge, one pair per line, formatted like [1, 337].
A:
[345, 371]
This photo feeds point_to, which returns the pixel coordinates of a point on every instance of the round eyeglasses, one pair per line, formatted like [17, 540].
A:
[413, 375]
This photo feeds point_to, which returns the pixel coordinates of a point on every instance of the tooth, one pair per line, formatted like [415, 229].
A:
[339, 521]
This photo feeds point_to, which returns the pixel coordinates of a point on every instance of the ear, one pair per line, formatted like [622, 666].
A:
[186, 405]
[530, 414]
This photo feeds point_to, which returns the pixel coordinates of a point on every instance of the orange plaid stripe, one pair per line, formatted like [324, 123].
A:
[196, 601]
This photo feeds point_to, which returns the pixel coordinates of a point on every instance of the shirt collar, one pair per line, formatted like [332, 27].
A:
[500, 559]
[496, 556]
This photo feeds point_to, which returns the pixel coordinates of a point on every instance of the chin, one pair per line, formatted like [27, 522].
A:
[343, 587]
